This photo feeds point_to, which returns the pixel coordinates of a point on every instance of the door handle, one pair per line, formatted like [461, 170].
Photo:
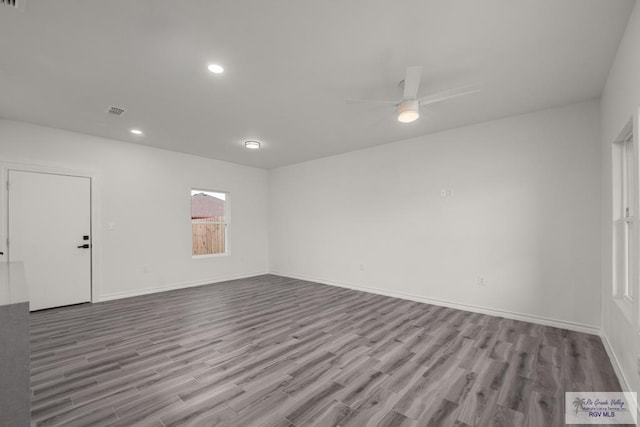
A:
[85, 246]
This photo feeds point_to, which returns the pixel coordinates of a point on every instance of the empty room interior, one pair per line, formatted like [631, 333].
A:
[296, 213]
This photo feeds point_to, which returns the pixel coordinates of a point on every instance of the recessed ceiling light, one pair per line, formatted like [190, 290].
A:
[136, 131]
[215, 69]
[252, 145]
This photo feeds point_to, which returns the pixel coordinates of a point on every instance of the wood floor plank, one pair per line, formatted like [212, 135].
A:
[442, 412]
[330, 415]
[204, 406]
[266, 412]
[309, 403]
[272, 351]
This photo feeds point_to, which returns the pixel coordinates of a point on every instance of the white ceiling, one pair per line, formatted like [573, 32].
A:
[290, 66]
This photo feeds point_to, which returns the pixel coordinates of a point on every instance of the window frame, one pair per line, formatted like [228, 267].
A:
[625, 233]
[226, 223]
[627, 196]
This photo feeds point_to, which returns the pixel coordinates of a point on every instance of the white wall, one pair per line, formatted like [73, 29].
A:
[524, 213]
[620, 99]
[146, 193]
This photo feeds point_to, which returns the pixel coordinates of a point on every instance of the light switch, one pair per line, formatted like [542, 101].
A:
[111, 226]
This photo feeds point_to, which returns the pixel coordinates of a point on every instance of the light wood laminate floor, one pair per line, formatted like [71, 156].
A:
[272, 351]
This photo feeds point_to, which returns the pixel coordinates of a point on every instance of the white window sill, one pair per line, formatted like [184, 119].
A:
[210, 256]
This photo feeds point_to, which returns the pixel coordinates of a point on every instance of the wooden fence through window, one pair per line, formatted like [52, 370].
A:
[208, 235]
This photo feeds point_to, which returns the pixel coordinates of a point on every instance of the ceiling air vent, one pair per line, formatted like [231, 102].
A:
[18, 4]
[116, 111]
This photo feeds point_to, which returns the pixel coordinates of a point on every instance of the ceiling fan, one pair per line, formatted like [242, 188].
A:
[408, 108]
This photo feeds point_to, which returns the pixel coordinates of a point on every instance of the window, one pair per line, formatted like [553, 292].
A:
[209, 222]
[625, 198]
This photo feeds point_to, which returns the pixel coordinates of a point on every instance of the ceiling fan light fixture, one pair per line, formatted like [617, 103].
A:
[408, 116]
[408, 111]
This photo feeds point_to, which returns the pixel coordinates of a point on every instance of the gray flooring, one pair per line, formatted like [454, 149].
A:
[272, 351]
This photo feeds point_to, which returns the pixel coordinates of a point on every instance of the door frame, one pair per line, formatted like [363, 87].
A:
[94, 206]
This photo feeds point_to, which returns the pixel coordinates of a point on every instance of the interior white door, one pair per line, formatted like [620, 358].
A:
[49, 217]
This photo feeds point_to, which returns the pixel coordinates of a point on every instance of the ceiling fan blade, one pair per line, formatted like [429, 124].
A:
[412, 82]
[447, 94]
[370, 101]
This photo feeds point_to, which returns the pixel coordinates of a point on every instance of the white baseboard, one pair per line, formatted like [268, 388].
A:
[563, 324]
[138, 292]
[614, 362]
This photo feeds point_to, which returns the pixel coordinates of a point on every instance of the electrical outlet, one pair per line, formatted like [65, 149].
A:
[481, 281]
[361, 267]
